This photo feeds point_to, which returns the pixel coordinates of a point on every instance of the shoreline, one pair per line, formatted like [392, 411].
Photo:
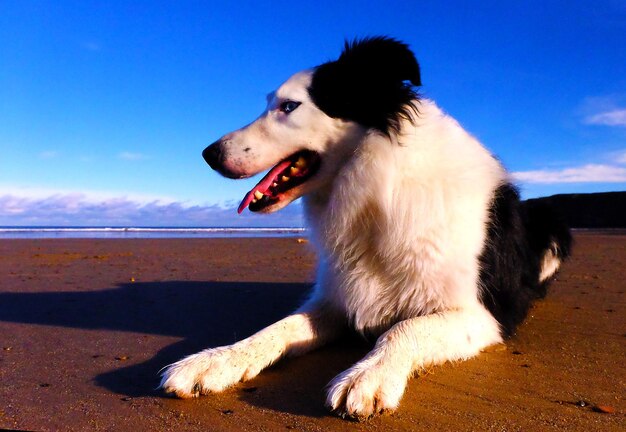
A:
[146, 232]
[87, 324]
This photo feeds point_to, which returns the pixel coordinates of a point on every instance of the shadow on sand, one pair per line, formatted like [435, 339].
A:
[205, 314]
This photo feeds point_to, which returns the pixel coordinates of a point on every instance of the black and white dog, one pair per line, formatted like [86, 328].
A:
[421, 237]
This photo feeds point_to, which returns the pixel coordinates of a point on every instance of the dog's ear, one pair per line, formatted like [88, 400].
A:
[371, 83]
[382, 58]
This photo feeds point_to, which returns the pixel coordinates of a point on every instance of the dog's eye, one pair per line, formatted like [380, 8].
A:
[289, 106]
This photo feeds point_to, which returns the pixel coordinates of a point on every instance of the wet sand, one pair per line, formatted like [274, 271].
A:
[85, 326]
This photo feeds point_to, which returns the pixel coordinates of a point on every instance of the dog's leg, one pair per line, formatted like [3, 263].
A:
[215, 369]
[377, 382]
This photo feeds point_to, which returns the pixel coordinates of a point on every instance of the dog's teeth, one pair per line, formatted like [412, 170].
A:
[301, 162]
[294, 171]
[254, 200]
[284, 179]
[258, 195]
[274, 184]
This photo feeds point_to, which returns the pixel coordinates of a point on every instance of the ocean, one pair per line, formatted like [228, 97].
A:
[144, 232]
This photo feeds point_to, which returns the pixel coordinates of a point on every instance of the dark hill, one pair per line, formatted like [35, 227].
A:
[594, 210]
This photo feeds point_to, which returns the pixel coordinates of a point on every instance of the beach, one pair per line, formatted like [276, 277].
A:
[86, 325]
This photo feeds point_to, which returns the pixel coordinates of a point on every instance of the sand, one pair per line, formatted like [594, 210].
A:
[85, 326]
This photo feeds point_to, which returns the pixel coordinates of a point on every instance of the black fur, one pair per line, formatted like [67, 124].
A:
[372, 83]
[518, 235]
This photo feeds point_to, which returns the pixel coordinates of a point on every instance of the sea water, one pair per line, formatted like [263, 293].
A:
[144, 232]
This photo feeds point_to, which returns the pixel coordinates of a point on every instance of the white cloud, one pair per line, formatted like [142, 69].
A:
[89, 196]
[131, 156]
[591, 173]
[615, 117]
[38, 208]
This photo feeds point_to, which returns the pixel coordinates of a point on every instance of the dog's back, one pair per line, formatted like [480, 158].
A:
[526, 244]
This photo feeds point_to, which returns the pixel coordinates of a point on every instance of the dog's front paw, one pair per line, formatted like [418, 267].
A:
[365, 390]
[208, 371]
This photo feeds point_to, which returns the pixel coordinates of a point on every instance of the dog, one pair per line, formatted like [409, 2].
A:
[421, 236]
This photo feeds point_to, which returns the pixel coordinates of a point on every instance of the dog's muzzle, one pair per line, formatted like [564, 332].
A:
[215, 156]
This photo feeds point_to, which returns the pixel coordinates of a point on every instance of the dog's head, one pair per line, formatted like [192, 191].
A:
[314, 121]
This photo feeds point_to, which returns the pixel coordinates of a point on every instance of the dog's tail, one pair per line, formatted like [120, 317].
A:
[549, 238]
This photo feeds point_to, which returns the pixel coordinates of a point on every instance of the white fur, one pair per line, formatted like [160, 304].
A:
[550, 262]
[215, 369]
[399, 223]
[377, 382]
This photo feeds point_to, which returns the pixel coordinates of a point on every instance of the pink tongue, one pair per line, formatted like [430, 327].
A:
[264, 184]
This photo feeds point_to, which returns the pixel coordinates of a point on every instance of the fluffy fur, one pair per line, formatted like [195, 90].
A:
[422, 240]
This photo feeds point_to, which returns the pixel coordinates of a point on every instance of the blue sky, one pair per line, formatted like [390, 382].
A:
[106, 106]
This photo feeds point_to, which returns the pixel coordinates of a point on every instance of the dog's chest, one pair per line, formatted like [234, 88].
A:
[375, 295]
[373, 265]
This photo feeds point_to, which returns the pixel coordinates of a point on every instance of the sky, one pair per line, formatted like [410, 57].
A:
[105, 107]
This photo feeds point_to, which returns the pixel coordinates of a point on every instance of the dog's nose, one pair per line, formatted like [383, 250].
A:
[213, 155]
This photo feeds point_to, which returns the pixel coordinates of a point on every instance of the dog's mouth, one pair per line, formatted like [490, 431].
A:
[286, 175]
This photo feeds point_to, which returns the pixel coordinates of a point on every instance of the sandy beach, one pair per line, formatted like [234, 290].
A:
[85, 326]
